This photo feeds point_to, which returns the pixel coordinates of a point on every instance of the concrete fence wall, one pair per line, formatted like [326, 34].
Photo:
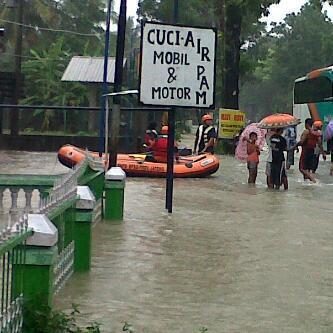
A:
[52, 242]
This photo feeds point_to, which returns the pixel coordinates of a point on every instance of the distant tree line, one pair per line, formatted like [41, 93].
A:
[292, 49]
[256, 67]
[53, 32]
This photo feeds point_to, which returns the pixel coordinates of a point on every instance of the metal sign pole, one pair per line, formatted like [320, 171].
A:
[171, 138]
[187, 82]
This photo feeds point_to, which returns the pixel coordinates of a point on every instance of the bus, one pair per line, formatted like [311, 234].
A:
[313, 96]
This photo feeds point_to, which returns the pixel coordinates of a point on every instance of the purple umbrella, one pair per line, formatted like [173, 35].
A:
[241, 150]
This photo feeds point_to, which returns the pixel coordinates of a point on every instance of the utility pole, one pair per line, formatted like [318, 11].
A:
[2, 49]
[105, 82]
[14, 116]
[118, 80]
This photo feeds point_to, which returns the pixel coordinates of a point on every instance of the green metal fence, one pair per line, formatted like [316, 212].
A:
[64, 267]
[12, 253]
[59, 206]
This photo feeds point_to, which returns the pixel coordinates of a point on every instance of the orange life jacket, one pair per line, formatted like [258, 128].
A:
[160, 149]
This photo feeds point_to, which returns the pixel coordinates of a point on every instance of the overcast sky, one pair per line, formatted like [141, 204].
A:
[278, 12]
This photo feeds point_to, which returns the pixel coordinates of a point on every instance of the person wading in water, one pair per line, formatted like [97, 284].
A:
[309, 140]
[291, 137]
[205, 136]
[253, 153]
[276, 170]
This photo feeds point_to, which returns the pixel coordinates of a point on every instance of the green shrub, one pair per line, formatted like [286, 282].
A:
[39, 319]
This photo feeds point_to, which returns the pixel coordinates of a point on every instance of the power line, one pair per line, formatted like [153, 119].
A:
[52, 30]
[29, 57]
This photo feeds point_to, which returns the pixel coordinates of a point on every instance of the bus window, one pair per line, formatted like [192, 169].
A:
[315, 90]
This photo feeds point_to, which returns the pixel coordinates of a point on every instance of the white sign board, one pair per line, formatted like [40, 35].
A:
[177, 65]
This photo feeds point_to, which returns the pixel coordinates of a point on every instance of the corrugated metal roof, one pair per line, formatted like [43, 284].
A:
[89, 69]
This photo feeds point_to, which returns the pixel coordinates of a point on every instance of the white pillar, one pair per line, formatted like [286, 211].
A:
[28, 197]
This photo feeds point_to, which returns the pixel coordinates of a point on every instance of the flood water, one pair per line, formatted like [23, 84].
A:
[231, 258]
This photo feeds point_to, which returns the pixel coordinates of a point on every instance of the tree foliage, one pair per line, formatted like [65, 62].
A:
[265, 63]
[44, 87]
[53, 31]
[290, 50]
[78, 24]
[43, 76]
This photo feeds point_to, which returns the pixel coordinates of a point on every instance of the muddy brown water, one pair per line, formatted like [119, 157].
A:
[232, 258]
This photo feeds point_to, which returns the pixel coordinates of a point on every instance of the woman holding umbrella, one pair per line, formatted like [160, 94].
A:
[253, 153]
[251, 141]
[241, 149]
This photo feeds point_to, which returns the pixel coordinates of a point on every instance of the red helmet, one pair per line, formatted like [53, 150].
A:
[164, 130]
[206, 117]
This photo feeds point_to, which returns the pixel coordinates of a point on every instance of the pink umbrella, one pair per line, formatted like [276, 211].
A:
[241, 150]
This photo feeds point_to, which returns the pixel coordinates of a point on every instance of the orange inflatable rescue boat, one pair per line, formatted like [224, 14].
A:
[135, 165]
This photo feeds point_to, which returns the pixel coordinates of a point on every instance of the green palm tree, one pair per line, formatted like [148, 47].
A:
[44, 87]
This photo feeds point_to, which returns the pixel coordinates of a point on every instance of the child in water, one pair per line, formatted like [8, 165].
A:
[253, 153]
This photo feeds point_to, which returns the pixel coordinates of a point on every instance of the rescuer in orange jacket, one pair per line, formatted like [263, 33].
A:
[206, 136]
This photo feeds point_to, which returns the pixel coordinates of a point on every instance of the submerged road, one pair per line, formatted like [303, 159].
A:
[232, 258]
